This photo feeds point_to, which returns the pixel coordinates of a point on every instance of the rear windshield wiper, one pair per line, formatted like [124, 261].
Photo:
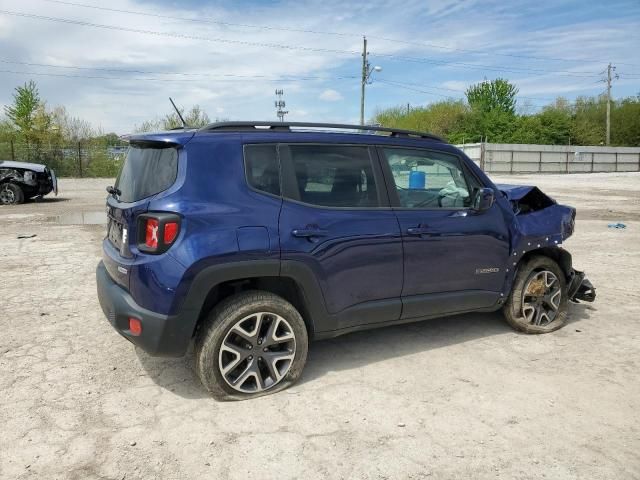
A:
[113, 191]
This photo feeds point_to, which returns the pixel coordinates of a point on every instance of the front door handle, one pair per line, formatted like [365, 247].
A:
[419, 230]
[309, 232]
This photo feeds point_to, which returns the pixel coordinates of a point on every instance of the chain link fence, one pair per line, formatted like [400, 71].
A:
[79, 159]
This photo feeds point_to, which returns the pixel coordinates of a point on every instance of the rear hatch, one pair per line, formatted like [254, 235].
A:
[150, 168]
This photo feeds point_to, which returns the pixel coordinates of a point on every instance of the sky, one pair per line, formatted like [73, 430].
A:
[116, 63]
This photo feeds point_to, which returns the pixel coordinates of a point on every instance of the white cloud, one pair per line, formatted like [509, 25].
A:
[330, 95]
[456, 85]
[237, 79]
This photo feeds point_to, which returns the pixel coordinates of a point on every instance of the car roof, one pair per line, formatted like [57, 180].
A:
[276, 131]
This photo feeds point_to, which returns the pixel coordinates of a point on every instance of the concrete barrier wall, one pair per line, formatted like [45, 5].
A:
[521, 158]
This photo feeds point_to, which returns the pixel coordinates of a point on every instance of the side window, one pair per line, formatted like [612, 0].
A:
[261, 168]
[425, 179]
[332, 175]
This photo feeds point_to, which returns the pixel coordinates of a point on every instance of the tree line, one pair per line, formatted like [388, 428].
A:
[32, 131]
[489, 113]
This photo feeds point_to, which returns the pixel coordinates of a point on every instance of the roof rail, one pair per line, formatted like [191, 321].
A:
[287, 126]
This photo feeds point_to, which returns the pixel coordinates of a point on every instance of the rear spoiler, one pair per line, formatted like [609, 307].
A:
[160, 139]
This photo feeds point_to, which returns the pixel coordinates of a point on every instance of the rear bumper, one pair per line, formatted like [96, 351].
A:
[580, 288]
[162, 335]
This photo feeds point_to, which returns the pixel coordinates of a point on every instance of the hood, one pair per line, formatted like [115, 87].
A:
[517, 192]
[36, 167]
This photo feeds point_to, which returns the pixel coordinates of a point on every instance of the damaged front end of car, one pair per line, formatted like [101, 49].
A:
[20, 181]
[540, 223]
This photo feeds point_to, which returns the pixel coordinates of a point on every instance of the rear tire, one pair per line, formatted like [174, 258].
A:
[11, 194]
[538, 300]
[253, 343]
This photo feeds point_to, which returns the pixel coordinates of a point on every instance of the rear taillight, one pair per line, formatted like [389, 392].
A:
[170, 232]
[151, 233]
[157, 231]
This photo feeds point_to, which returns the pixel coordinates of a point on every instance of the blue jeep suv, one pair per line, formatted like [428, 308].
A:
[250, 239]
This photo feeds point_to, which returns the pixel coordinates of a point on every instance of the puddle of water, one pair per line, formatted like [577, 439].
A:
[80, 218]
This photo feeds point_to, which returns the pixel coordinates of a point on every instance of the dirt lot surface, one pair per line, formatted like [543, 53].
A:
[461, 397]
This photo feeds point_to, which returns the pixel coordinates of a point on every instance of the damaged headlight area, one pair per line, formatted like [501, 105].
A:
[20, 181]
[526, 199]
[541, 222]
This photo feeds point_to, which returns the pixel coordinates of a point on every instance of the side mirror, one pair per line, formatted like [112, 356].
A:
[484, 199]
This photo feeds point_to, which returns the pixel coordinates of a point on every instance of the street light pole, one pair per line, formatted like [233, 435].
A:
[366, 75]
[365, 67]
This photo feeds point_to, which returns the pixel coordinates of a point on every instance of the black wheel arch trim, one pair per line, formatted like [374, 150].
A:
[212, 276]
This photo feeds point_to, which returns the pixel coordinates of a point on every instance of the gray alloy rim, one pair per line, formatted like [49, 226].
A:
[257, 352]
[541, 299]
[7, 196]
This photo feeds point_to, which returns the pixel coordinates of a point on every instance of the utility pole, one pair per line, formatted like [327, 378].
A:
[363, 83]
[280, 104]
[367, 70]
[608, 80]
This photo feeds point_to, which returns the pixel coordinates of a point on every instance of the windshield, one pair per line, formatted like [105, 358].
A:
[146, 171]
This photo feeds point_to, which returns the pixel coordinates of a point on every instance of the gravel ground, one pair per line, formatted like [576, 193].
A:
[461, 397]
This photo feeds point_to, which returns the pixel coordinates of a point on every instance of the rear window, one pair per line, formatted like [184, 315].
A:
[261, 168]
[146, 171]
[333, 176]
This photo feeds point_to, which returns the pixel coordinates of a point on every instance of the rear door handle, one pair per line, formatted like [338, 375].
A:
[421, 230]
[309, 232]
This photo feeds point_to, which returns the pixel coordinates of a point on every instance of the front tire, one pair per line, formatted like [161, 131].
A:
[538, 300]
[251, 344]
[11, 194]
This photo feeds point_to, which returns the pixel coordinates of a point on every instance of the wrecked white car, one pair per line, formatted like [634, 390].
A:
[20, 181]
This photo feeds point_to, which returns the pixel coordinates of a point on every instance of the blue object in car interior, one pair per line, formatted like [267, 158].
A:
[417, 179]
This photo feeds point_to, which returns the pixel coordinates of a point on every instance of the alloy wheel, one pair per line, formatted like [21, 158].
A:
[257, 352]
[541, 298]
[7, 196]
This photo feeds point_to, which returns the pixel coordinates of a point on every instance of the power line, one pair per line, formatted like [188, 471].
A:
[208, 20]
[401, 85]
[297, 47]
[175, 35]
[457, 90]
[202, 20]
[147, 72]
[147, 79]
[495, 68]
[219, 77]
[482, 52]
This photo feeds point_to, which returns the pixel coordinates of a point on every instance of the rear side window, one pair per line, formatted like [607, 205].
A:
[146, 171]
[261, 168]
[332, 175]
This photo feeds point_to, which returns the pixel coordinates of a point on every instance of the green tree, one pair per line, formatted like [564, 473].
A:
[195, 117]
[23, 111]
[72, 129]
[496, 94]
[589, 121]
[441, 118]
[625, 122]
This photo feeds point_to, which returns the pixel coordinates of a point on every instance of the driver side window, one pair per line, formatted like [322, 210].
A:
[428, 180]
